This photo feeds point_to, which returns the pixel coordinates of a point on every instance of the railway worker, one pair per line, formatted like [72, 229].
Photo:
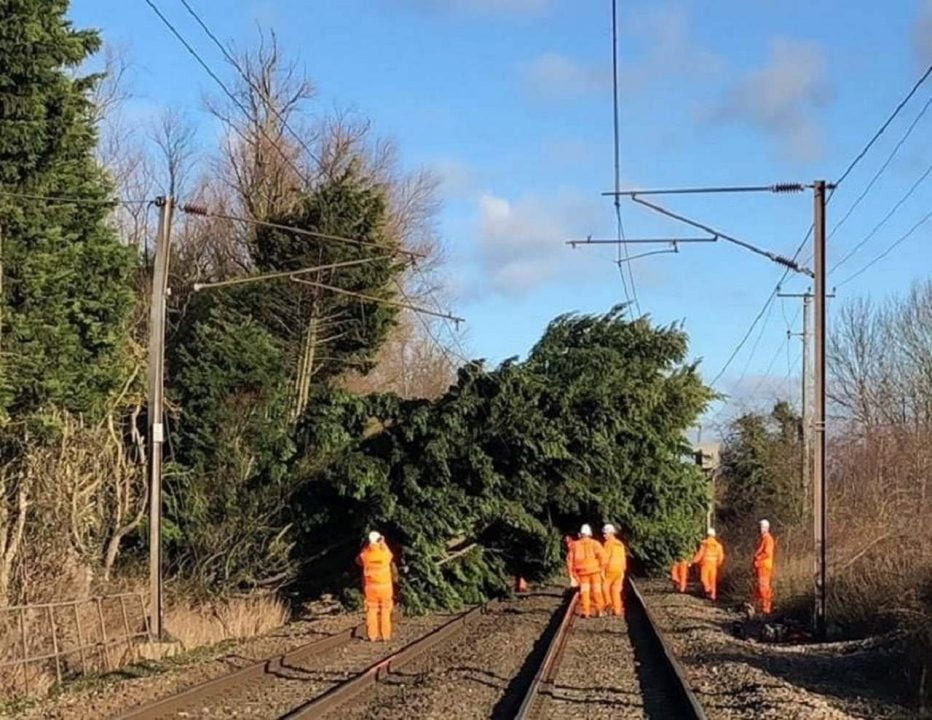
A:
[568, 541]
[763, 569]
[616, 563]
[586, 560]
[376, 560]
[679, 574]
[710, 557]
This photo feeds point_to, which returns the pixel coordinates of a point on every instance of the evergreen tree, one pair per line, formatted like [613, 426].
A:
[761, 464]
[66, 290]
[483, 482]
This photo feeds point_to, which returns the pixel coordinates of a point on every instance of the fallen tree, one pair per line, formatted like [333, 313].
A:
[481, 484]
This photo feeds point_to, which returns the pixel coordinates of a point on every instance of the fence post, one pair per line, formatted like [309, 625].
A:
[77, 624]
[145, 616]
[22, 634]
[55, 644]
[103, 636]
[129, 639]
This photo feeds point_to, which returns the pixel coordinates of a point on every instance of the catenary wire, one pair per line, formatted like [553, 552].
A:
[229, 93]
[922, 221]
[883, 221]
[857, 159]
[242, 72]
[619, 223]
[883, 168]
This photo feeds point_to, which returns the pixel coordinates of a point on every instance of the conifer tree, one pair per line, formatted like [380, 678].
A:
[66, 278]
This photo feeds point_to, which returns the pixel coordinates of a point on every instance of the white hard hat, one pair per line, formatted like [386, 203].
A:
[710, 532]
[608, 529]
[585, 530]
[765, 525]
[374, 537]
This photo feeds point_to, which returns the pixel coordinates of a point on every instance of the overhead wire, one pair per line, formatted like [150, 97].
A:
[857, 159]
[239, 104]
[883, 168]
[226, 90]
[619, 223]
[922, 221]
[70, 200]
[883, 221]
[248, 80]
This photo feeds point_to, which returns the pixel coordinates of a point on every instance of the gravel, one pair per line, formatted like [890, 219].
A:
[744, 679]
[598, 676]
[296, 684]
[477, 677]
[122, 691]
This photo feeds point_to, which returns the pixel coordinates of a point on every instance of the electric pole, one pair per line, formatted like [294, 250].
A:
[818, 420]
[156, 427]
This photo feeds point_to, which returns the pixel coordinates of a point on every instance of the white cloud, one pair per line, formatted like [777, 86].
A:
[922, 33]
[552, 75]
[781, 97]
[672, 50]
[522, 243]
[456, 177]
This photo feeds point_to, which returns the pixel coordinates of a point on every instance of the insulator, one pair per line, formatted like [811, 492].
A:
[788, 187]
[192, 209]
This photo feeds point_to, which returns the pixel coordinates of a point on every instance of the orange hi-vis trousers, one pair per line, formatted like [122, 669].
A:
[763, 590]
[679, 574]
[614, 581]
[708, 575]
[379, 605]
[590, 588]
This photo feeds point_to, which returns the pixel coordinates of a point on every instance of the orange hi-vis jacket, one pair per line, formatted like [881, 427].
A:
[616, 557]
[376, 561]
[586, 557]
[710, 552]
[763, 557]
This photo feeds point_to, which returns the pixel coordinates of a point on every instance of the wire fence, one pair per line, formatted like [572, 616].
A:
[48, 642]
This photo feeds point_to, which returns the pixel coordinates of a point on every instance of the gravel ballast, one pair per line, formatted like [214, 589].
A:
[736, 678]
[477, 677]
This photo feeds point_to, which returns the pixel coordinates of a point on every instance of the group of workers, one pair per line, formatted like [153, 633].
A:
[596, 568]
[711, 556]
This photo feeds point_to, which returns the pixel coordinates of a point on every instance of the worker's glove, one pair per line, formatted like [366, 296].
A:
[574, 582]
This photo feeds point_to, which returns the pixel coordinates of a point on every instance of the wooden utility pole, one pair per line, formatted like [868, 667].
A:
[818, 419]
[156, 427]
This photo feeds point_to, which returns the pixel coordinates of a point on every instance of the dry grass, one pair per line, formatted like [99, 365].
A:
[199, 625]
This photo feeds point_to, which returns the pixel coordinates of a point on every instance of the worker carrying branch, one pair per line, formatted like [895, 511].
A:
[616, 563]
[585, 561]
[709, 558]
[763, 569]
[378, 571]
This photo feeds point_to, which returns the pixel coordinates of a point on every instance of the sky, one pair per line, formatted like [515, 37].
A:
[509, 103]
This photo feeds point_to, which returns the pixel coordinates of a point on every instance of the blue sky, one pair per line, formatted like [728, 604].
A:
[509, 101]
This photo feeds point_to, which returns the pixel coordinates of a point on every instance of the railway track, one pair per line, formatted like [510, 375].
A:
[543, 680]
[555, 691]
[249, 691]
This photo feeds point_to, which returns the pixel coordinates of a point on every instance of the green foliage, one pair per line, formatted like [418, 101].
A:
[226, 512]
[761, 467]
[244, 361]
[480, 484]
[342, 331]
[66, 279]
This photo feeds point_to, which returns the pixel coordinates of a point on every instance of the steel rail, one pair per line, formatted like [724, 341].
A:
[235, 679]
[346, 691]
[551, 662]
[692, 708]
